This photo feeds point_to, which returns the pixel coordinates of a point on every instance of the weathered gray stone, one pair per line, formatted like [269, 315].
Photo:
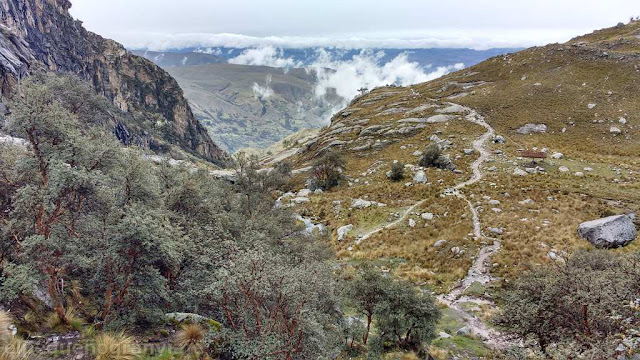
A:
[609, 232]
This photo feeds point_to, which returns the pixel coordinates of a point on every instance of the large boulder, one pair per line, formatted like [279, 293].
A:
[609, 232]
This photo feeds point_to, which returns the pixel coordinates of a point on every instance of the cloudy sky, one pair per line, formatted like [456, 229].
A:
[165, 24]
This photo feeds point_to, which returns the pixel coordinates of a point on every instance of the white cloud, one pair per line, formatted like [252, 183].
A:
[365, 71]
[265, 56]
[263, 92]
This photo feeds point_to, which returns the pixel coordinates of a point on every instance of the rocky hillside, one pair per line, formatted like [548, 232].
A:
[490, 213]
[38, 35]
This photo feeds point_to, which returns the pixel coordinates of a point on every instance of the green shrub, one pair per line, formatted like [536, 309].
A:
[328, 171]
[397, 172]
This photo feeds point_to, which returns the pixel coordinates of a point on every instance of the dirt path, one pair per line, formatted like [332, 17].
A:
[480, 269]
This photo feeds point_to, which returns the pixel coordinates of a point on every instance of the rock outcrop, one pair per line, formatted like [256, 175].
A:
[609, 232]
[41, 35]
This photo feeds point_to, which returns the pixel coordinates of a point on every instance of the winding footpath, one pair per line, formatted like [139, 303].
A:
[480, 269]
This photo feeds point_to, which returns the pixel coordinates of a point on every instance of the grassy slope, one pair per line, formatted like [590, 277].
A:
[552, 85]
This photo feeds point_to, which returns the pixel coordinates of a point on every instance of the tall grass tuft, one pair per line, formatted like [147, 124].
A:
[116, 346]
[11, 347]
[190, 338]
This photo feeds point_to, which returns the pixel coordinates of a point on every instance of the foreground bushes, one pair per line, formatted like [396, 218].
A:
[97, 228]
[585, 306]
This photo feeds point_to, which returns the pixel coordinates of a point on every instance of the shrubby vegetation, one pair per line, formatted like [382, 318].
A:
[405, 318]
[97, 238]
[97, 232]
[397, 172]
[584, 307]
[328, 170]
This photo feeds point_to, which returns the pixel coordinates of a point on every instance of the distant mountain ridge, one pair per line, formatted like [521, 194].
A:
[434, 57]
[40, 35]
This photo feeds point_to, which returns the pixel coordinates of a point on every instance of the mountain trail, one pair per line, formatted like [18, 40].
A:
[480, 269]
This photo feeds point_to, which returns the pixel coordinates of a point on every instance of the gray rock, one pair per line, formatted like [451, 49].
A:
[563, 169]
[439, 243]
[464, 331]
[496, 231]
[615, 130]
[519, 172]
[420, 178]
[609, 232]
[343, 231]
[557, 156]
[499, 139]
[468, 151]
[532, 128]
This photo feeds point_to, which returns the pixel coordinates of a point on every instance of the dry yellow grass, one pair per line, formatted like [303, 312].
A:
[190, 338]
[551, 85]
[117, 346]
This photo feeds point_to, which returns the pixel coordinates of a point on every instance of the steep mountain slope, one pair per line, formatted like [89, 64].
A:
[40, 35]
[498, 214]
[252, 106]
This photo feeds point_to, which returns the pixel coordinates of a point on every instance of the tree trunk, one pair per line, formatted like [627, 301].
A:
[366, 333]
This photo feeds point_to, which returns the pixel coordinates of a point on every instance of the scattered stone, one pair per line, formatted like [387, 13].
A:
[622, 121]
[468, 151]
[519, 172]
[588, 169]
[592, 106]
[412, 223]
[493, 168]
[532, 128]
[464, 331]
[557, 156]
[456, 250]
[343, 231]
[494, 202]
[615, 130]
[499, 139]
[439, 243]
[417, 153]
[610, 232]
[579, 174]
[563, 169]
[444, 335]
[420, 178]
[527, 202]
[451, 109]
[304, 193]
[300, 200]
[362, 204]
[496, 231]
[427, 216]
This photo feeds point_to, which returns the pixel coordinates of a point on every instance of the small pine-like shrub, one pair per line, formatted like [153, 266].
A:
[430, 155]
[397, 172]
[115, 347]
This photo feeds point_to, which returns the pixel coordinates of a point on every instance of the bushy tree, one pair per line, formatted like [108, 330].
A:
[408, 318]
[397, 172]
[405, 318]
[430, 155]
[328, 170]
[580, 306]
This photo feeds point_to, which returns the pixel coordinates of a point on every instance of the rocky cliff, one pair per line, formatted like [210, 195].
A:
[38, 35]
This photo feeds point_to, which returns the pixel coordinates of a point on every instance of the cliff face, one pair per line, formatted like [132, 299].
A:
[41, 35]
